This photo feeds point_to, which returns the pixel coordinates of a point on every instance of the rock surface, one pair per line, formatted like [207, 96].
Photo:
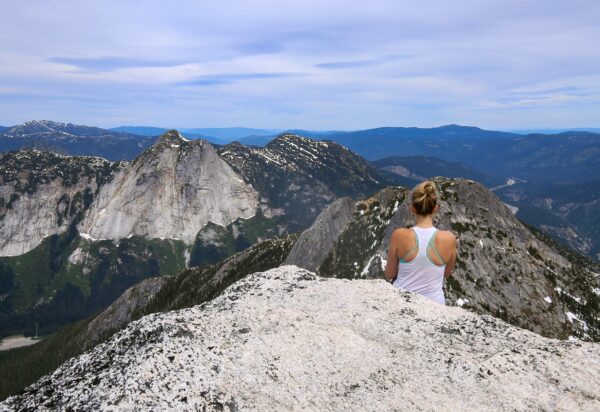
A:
[42, 193]
[314, 243]
[287, 340]
[171, 191]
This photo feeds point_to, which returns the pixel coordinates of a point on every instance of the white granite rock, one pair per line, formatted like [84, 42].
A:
[288, 340]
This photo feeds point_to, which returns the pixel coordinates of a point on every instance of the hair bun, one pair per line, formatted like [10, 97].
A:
[424, 197]
[429, 188]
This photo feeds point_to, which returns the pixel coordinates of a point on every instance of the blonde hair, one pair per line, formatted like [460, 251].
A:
[424, 197]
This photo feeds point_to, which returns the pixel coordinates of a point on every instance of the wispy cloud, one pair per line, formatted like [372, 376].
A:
[360, 63]
[261, 47]
[216, 79]
[111, 63]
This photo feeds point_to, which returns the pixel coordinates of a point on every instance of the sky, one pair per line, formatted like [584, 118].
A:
[336, 65]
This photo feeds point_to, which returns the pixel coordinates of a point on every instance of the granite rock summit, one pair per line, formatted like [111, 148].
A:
[287, 339]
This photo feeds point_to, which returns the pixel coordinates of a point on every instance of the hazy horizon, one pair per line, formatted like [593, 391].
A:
[530, 130]
[499, 65]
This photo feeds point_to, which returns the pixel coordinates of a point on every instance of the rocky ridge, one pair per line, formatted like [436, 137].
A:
[536, 284]
[286, 339]
[179, 204]
[42, 193]
[298, 176]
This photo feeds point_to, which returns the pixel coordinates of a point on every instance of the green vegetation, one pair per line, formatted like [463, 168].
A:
[197, 285]
[460, 227]
[67, 278]
[454, 285]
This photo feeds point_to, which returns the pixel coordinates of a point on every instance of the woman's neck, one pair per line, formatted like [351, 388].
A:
[424, 221]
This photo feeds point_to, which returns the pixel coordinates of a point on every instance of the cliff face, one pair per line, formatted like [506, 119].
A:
[285, 339]
[172, 190]
[314, 243]
[42, 193]
[179, 189]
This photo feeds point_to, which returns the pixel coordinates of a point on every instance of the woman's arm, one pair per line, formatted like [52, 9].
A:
[452, 260]
[391, 267]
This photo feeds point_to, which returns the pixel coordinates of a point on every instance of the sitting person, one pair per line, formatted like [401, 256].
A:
[420, 258]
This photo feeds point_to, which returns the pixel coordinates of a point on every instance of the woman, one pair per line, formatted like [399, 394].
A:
[420, 258]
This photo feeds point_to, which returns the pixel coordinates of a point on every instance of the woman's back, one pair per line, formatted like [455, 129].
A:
[421, 257]
[421, 269]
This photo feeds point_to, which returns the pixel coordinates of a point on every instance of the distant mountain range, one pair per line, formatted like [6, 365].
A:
[70, 139]
[570, 157]
[541, 162]
[555, 131]
[419, 168]
[245, 135]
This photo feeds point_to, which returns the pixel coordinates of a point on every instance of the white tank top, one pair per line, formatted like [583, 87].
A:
[421, 275]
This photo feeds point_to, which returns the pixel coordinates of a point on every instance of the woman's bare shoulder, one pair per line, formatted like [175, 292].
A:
[402, 233]
[445, 236]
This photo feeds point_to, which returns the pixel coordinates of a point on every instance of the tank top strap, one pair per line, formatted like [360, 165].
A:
[431, 244]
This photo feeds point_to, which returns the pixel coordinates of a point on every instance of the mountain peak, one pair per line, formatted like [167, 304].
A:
[35, 126]
[292, 139]
[171, 137]
[289, 137]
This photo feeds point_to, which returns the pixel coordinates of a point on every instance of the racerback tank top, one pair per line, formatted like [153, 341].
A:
[421, 275]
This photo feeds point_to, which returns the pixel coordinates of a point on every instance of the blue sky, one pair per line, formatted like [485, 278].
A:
[302, 64]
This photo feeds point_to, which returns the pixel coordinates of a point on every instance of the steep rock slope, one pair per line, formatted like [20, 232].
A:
[285, 339]
[314, 243]
[42, 193]
[297, 177]
[502, 268]
[70, 139]
[172, 190]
